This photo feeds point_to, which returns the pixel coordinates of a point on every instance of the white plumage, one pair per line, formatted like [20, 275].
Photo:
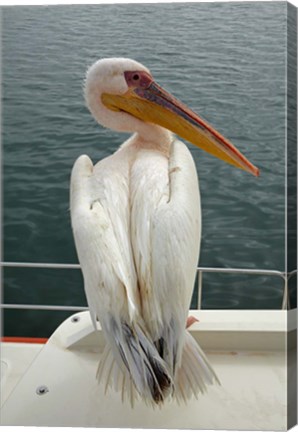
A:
[136, 221]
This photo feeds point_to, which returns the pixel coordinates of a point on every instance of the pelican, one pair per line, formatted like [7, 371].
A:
[136, 220]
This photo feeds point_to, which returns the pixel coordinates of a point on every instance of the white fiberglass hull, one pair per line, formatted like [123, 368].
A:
[246, 348]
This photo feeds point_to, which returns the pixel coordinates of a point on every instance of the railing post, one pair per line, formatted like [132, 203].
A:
[288, 276]
[285, 297]
[200, 288]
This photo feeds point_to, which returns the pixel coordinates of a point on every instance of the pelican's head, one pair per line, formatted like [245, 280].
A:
[122, 95]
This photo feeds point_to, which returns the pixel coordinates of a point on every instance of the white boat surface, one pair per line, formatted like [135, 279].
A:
[253, 353]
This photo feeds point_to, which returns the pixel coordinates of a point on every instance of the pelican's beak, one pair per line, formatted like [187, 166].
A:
[153, 104]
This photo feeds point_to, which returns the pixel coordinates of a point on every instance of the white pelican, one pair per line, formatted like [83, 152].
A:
[136, 220]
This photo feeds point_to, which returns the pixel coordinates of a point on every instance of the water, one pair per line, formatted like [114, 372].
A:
[225, 60]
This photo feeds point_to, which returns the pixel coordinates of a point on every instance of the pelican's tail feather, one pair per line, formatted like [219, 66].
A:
[195, 373]
[111, 375]
[131, 364]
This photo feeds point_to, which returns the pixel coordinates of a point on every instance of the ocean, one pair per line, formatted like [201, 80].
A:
[227, 61]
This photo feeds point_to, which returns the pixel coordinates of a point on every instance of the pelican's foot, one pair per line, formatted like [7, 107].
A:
[190, 321]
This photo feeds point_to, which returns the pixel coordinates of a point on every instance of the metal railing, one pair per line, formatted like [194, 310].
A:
[257, 272]
[201, 270]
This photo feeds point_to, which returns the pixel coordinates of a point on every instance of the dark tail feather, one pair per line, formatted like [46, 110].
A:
[134, 352]
[169, 346]
[162, 382]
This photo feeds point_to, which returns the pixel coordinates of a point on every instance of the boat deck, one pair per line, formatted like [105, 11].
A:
[55, 384]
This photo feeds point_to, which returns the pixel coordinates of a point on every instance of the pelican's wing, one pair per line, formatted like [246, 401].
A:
[100, 222]
[176, 236]
[166, 226]
[98, 212]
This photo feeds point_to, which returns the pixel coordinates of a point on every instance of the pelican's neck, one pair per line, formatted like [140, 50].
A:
[151, 137]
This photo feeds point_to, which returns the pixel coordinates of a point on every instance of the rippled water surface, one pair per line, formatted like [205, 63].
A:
[225, 60]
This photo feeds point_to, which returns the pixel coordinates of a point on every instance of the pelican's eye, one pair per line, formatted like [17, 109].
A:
[138, 79]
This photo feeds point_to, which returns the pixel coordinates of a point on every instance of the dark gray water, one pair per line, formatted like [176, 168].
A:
[225, 60]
